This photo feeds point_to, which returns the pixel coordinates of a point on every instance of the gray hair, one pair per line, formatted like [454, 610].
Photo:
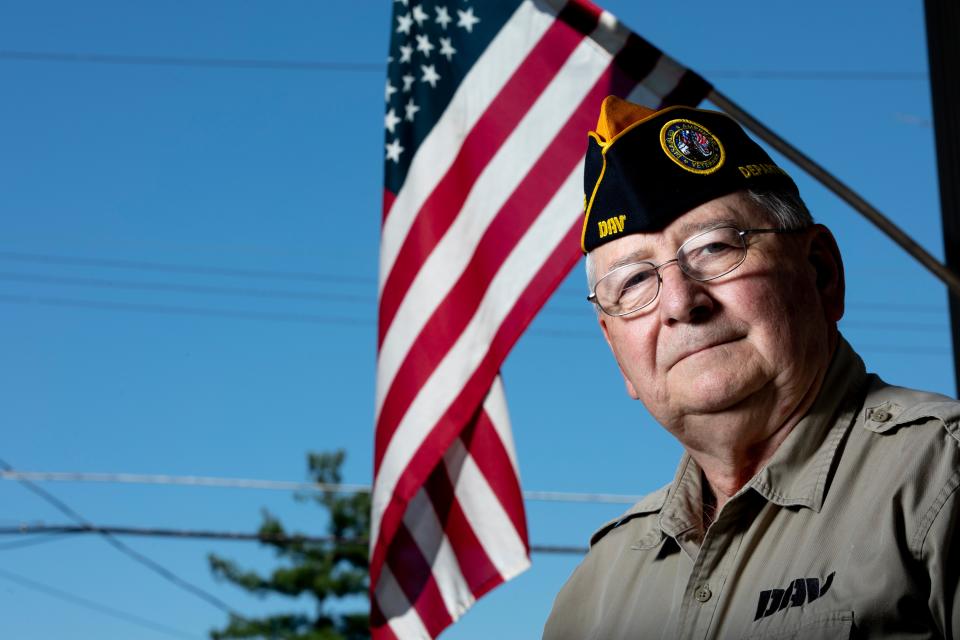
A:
[786, 209]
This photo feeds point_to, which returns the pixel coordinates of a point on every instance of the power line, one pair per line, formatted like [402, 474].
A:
[90, 604]
[101, 283]
[156, 532]
[209, 63]
[341, 297]
[814, 74]
[167, 267]
[30, 542]
[380, 68]
[122, 547]
[177, 310]
[275, 485]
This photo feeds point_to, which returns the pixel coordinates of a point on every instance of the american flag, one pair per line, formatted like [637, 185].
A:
[487, 109]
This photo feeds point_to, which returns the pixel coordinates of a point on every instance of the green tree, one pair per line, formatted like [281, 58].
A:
[324, 571]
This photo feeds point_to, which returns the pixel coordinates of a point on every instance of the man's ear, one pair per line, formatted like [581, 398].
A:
[824, 255]
[631, 391]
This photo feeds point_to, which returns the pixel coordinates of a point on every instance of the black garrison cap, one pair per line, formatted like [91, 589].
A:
[645, 168]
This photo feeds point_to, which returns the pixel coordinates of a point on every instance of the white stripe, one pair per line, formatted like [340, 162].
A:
[662, 79]
[391, 599]
[438, 150]
[610, 34]
[496, 407]
[447, 380]
[505, 171]
[487, 518]
[425, 527]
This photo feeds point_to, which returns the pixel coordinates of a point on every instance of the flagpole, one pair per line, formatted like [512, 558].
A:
[951, 279]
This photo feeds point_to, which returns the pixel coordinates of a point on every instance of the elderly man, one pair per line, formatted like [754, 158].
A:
[813, 500]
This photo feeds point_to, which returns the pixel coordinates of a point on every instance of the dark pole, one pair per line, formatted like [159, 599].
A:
[943, 47]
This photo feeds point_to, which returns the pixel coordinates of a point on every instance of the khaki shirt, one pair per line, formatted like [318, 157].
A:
[846, 532]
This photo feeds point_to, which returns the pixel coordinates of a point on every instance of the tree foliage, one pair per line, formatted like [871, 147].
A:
[324, 572]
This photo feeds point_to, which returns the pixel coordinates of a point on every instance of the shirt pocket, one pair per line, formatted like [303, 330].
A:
[827, 626]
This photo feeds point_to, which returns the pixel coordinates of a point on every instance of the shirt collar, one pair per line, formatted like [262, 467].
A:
[796, 474]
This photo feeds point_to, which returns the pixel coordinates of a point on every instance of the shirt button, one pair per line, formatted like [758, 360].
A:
[880, 415]
[703, 593]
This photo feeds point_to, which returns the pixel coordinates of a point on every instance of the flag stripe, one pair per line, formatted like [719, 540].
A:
[439, 149]
[500, 120]
[495, 406]
[491, 457]
[486, 517]
[430, 425]
[393, 606]
[475, 565]
[415, 578]
[423, 326]
[427, 530]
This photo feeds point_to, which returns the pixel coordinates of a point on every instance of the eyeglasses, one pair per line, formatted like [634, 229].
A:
[705, 256]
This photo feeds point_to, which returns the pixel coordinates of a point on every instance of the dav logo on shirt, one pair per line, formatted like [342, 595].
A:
[795, 594]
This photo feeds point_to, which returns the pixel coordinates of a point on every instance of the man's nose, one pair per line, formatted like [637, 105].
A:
[682, 299]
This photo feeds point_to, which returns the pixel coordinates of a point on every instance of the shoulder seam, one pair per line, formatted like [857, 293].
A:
[930, 516]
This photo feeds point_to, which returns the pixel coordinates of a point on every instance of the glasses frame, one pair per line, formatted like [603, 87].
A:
[741, 234]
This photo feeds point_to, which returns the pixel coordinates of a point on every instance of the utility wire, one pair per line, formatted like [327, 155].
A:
[177, 310]
[346, 321]
[29, 542]
[275, 485]
[209, 63]
[95, 606]
[26, 529]
[101, 283]
[380, 68]
[167, 267]
[123, 548]
[273, 294]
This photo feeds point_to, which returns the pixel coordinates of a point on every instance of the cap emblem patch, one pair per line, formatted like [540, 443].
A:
[691, 146]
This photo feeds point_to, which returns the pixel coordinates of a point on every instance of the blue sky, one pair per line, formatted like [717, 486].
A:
[133, 196]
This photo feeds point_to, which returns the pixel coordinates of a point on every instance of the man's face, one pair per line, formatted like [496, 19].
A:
[751, 343]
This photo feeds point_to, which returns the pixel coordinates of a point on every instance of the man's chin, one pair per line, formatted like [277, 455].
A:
[715, 392]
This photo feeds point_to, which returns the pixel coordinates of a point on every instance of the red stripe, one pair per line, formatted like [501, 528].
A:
[415, 577]
[521, 209]
[550, 274]
[379, 627]
[481, 144]
[475, 565]
[488, 451]
[389, 197]
[581, 15]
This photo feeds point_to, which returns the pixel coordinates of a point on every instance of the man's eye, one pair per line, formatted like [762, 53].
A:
[636, 279]
[710, 250]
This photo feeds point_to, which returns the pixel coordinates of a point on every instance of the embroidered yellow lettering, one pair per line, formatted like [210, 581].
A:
[610, 226]
[751, 170]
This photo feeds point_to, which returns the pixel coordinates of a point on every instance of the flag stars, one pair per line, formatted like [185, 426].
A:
[446, 48]
[411, 109]
[389, 90]
[466, 19]
[443, 17]
[424, 45]
[408, 81]
[430, 75]
[393, 151]
[406, 51]
[404, 24]
[391, 120]
[419, 15]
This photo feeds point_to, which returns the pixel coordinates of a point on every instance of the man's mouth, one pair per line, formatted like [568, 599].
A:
[686, 352]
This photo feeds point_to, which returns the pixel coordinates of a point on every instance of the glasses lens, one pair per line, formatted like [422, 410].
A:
[712, 254]
[627, 288]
